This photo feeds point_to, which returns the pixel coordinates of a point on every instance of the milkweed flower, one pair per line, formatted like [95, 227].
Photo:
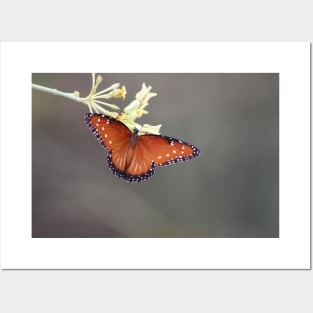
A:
[136, 109]
[95, 99]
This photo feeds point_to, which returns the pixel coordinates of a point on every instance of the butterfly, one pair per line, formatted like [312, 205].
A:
[132, 156]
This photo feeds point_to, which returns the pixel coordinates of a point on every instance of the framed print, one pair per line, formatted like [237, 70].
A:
[155, 155]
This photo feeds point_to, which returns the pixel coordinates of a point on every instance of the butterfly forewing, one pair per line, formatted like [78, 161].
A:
[111, 133]
[167, 150]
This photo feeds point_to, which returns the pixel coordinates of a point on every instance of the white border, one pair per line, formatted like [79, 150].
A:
[290, 251]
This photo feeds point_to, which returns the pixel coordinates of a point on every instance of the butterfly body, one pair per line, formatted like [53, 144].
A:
[132, 156]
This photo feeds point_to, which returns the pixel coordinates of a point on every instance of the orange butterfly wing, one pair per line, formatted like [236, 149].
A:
[167, 150]
[113, 135]
[157, 150]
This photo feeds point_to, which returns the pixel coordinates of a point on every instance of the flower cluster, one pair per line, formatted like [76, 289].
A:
[134, 110]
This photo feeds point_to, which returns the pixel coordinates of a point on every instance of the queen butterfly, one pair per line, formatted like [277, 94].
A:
[133, 156]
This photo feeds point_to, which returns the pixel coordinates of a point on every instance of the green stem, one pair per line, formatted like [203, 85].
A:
[56, 92]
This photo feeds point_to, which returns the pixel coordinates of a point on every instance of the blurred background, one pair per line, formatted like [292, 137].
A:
[230, 191]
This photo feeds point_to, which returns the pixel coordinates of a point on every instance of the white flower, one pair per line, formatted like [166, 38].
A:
[136, 109]
[93, 102]
[131, 112]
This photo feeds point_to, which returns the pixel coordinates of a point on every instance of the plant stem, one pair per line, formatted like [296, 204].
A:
[56, 92]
